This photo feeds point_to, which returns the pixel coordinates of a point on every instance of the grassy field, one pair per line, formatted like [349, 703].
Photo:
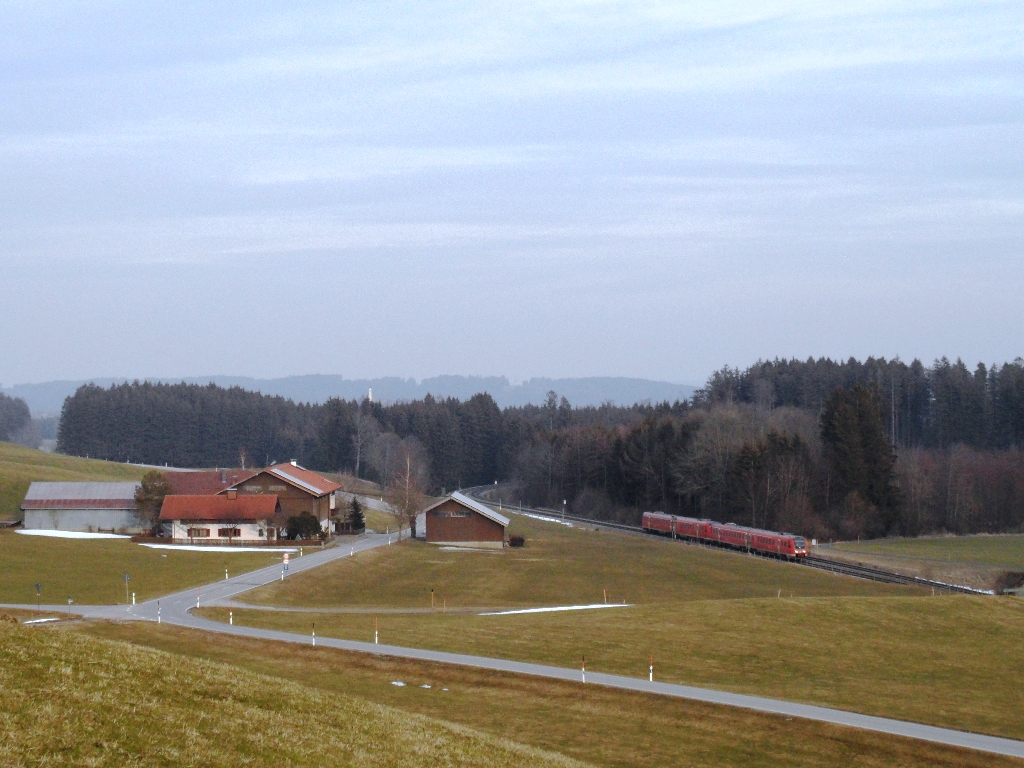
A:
[976, 561]
[20, 466]
[710, 618]
[558, 566]
[598, 725]
[940, 660]
[68, 698]
[1006, 551]
[92, 571]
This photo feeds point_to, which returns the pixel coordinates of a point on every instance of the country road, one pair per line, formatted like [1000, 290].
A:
[176, 609]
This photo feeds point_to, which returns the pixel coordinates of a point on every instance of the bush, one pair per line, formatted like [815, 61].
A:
[516, 541]
[304, 526]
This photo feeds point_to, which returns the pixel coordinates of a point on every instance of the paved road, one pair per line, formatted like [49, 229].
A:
[176, 609]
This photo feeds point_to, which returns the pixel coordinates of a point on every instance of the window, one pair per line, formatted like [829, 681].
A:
[198, 533]
[229, 533]
[254, 488]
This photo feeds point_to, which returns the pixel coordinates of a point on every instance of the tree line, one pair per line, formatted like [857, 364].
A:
[823, 448]
[15, 417]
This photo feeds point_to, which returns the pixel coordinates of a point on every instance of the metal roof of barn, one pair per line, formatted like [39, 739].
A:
[46, 495]
[476, 506]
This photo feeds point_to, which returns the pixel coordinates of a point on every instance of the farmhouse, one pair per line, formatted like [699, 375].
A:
[296, 488]
[83, 507]
[220, 518]
[457, 520]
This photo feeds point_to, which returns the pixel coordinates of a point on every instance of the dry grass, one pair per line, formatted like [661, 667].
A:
[939, 660]
[20, 466]
[67, 698]
[599, 725]
[91, 571]
[558, 566]
[975, 561]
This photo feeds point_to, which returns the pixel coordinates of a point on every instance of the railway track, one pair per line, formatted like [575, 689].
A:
[811, 561]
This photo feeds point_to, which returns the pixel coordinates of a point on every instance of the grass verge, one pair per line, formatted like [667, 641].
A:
[599, 725]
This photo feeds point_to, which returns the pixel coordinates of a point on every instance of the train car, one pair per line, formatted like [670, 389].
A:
[688, 528]
[657, 522]
[787, 545]
[731, 535]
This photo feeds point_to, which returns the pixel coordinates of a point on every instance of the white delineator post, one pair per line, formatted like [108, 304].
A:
[652, 668]
[314, 634]
[584, 673]
[231, 618]
[157, 611]
[133, 598]
[375, 635]
[199, 593]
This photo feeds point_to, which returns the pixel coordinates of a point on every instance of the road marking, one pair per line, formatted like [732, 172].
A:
[559, 608]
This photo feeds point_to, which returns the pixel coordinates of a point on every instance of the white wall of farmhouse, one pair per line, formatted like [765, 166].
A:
[218, 530]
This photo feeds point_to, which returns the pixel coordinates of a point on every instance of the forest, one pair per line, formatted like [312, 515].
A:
[818, 447]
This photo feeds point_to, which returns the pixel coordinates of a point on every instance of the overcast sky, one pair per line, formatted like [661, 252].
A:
[559, 189]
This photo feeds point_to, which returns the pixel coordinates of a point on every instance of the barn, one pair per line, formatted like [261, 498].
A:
[297, 489]
[457, 520]
[82, 507]
[224, 518]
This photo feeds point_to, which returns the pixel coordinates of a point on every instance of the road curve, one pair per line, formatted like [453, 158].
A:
[176, 610]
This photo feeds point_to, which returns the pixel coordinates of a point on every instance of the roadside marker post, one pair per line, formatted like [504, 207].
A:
[70, 601]
[314, 634]
[127, 578]
[584, 673]
[225, 573]
[133, 598]
[39, 592]
[157, 611]
[231, 618]
[651, 678]
[199, 593]
[375, 635]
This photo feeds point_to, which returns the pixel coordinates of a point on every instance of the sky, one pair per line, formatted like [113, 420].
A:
[563, 189]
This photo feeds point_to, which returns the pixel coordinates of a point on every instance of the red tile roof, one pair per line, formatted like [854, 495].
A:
[221, 508]
[206, 483]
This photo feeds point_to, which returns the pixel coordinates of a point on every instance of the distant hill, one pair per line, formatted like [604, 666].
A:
[46, 399]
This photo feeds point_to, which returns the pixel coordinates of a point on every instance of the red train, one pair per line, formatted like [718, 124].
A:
[787, 545]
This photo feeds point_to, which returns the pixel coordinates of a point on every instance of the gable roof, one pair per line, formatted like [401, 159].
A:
[220, 508]
[206, 482]
[80, 496]
[476, 506]
[300, 477]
